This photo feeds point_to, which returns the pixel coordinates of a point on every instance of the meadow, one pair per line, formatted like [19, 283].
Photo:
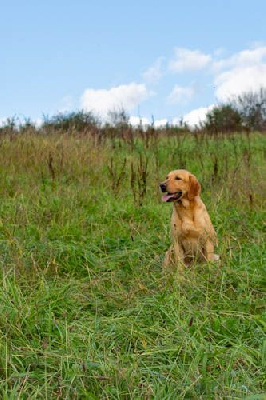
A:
[85, 309]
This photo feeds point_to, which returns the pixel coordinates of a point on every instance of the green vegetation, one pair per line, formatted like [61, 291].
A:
[85, 310]
[245, 112]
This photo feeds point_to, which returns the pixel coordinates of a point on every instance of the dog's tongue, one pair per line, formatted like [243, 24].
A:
[168, 197]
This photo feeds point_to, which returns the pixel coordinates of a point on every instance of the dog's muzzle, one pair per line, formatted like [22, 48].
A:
[163, 187]
[172, 197]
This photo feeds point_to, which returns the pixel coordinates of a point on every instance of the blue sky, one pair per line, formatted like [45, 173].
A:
[164, 59]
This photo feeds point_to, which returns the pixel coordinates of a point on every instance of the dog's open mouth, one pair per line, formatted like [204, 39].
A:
[171, 196]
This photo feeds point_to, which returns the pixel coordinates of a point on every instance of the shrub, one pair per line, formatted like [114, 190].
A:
[252, 108]
[80, 121]
[223, 118]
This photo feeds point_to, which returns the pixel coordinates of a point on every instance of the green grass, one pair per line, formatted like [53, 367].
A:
[85, 310]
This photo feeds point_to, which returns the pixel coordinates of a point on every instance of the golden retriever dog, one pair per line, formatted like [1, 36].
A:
[192, 232]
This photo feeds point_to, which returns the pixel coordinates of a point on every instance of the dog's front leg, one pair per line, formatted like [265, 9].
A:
[209, 251]
[174, 257]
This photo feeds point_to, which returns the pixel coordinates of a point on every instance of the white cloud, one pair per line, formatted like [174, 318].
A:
[196, 116]
[160, 123]
[154, 73]
[3, 121]
[127, 97]
[244, 71]
[137, 121]
[240, 80]
[176, 121]
[38, 122]
[189, 60]
[242, 59]
[145, 122]
[181, 94]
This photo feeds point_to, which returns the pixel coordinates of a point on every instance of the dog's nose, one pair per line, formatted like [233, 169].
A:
[163, 187]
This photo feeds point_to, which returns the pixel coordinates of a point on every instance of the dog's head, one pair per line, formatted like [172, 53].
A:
[180, 184]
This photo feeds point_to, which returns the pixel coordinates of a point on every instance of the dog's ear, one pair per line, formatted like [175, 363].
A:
[194, 187]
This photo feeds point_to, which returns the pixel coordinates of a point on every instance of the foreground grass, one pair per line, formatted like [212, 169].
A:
[85, 311]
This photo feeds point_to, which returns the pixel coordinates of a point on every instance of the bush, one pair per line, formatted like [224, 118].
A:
[223, 118]
[80, 121]
[252, 108]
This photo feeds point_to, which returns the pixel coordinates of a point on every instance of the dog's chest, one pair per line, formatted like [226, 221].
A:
[183, 227]
[188, 236]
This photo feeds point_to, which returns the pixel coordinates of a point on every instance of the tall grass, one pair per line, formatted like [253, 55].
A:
[86, 312]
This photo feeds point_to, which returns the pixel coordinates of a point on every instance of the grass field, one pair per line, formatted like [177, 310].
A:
[85, 310]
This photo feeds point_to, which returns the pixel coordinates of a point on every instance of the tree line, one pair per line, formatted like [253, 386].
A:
[246, 112]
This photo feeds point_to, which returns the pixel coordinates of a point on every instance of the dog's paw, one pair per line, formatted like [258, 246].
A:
[216, 258]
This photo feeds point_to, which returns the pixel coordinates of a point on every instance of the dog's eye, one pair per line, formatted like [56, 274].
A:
[167, 177]
[177, 178]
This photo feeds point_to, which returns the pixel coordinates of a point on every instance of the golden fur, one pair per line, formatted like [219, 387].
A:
[192, 232]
